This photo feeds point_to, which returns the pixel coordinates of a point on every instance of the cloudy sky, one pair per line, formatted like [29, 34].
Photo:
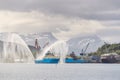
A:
[65, 18]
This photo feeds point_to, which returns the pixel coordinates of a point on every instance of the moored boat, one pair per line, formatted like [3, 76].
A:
[47, 60]
[110, 58]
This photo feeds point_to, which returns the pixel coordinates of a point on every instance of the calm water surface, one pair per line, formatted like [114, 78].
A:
[60, 72]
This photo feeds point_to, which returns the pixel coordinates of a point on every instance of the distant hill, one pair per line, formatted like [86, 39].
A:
[78, 43]
[75, 44]
[1, 46]
[108, 48]
[43, 38]
[32, 48]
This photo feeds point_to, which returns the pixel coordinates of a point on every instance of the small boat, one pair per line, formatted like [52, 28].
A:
[71, 60]
[110, 58]
[56, 60]
[47, 60]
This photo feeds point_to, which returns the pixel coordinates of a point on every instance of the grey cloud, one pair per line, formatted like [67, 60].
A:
[111, 23]
[109, 32]
[105, 11]
[13, 21]
[86, 9]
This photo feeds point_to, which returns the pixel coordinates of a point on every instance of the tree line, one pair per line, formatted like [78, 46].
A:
[107, 48]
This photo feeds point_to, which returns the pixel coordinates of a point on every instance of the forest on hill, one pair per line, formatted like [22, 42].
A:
[107, 48]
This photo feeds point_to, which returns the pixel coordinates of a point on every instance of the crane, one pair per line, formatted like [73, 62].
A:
[83, 51]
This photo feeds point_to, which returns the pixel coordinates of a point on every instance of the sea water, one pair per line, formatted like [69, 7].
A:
[14, 71]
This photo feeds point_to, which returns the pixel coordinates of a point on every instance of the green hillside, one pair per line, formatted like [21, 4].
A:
[107, 48]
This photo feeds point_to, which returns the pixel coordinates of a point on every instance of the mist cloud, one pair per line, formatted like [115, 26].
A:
[62, 17]
[36, 21]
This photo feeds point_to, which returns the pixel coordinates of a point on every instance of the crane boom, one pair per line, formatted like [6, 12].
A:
[86, 48]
